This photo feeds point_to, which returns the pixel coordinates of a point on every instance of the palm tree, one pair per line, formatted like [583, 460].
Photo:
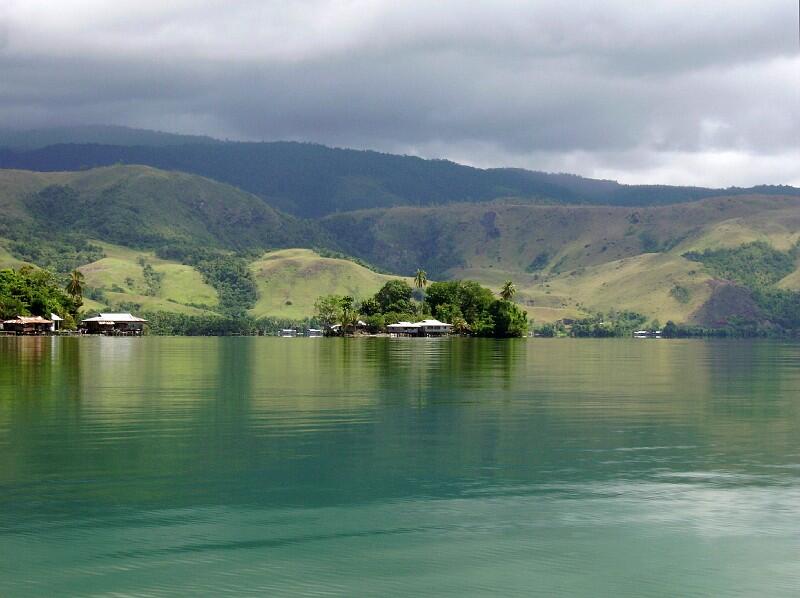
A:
[349, 314]
[75, 284]
[508, 291]
[421, 279]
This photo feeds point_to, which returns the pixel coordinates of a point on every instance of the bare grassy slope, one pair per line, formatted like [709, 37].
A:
[289, 281]
[570, 259]
[512, 237]
[120, 276]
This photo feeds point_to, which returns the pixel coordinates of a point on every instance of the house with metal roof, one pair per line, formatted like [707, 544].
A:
[423, 328]
[404, 329]
[56, 325]
[114, 324]
[434, 328]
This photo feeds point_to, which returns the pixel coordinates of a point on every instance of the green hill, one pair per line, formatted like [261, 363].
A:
[289, 281]
[142, 206]
[549, 240]
[121, 278]
[567, 260]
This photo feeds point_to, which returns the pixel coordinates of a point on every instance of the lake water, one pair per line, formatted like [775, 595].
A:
[357, 467]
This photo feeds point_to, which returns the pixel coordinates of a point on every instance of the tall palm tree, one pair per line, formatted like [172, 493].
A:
[75, 284]
[349, 314]
[508, 291]
[421, 279]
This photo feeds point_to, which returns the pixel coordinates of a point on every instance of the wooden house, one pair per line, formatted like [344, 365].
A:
[28, 325]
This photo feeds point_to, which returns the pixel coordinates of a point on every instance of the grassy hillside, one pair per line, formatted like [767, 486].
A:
[792, 281]
[120, 278]
[289, 281]
[550, 240]
[663, 286]
[567, 260]
[312, 180]
[7, 260]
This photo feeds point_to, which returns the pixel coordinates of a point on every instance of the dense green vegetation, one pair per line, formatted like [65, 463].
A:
[612, 324]
[33, 292]
[144, 208]
[471, 308]
[227, 273]
[756, 265]
[171, 324]
[38, 243]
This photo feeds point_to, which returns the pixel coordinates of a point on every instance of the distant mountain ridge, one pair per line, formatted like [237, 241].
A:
[313, 181]
[26, 139]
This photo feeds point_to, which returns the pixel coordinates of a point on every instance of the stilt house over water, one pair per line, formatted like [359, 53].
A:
[28, 325]
[114, 324]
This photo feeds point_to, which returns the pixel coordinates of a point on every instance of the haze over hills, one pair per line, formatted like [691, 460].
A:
[25, 139]
[155, 239]
[311, 180]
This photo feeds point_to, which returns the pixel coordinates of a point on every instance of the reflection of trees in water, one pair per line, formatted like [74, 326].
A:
[434, 370]
[39, 367]
[303, 420]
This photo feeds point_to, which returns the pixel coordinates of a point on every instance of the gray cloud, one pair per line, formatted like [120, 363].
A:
[661, 91]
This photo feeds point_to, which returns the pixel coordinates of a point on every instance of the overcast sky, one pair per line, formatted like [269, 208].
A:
[667, 91]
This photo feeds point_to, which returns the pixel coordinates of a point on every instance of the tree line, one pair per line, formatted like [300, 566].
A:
[472, 309]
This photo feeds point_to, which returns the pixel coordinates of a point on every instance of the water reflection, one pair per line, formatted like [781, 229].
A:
[433, 462]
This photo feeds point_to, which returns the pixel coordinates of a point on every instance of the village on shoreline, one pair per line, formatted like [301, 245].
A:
[33, 303]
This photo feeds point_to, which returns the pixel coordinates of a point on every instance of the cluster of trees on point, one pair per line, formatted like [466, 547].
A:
[471, 308]
[29, 291]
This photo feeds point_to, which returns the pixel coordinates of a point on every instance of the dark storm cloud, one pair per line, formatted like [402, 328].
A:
[668, 91]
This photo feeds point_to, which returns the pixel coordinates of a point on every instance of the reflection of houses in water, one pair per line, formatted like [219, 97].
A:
[293, 332]
[647, 334]
[114, 324]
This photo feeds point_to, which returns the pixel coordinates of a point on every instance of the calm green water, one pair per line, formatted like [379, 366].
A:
[254, 466]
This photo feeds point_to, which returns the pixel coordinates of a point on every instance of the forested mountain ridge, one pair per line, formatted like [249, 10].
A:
[311, 181]
[26, 139]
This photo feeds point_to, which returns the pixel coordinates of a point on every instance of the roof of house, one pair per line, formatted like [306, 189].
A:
[114, 318]
[403, 325]
[432, 323]
[56, 318]
[28, 320]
